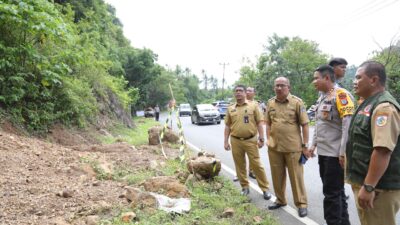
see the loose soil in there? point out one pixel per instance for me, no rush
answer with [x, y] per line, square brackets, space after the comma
[53, 181]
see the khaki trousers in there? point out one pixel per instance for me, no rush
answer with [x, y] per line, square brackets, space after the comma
[386, 206]
[239, 150]
[279, 161]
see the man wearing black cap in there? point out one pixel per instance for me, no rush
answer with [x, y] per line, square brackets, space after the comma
[339, 68]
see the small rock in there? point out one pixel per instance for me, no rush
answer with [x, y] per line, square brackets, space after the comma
[65, 193]
[153, 164]
[257, 219]
[92, 220]
[128, 217]
[132, 194]
[96, 183]
[228, 213]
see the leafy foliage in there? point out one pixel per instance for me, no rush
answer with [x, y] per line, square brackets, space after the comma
[390, 57]
[293, 58]
[55, 59]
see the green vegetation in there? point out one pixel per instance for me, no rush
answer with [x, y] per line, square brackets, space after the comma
[297, 58]
[209, 200]
[136, 137]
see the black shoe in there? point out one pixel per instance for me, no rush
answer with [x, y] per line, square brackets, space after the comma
[235, 179]
[302, 212]
[245, 192]
[252, 175]
[267, 195]
[275, 206]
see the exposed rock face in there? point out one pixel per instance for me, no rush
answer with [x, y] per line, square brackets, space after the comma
[205, 165]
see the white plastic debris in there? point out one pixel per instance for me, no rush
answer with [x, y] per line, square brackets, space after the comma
[177, 205]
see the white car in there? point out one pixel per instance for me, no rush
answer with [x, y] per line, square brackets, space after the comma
[205, 113]
[184, 109]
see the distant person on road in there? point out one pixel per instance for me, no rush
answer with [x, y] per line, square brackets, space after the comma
[373, 148]
[242, 123]
[157, 111]
[287, 138]
[333, 114]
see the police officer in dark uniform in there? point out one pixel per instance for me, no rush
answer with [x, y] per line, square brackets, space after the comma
[243, 121]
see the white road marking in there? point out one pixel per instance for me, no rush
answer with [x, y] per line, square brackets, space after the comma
[255, 187]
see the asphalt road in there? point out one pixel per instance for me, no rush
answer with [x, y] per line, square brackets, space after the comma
[210, 139]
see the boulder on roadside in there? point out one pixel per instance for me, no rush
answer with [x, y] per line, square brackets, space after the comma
[169, 186]
[154, 135]
[140, 199]
[145, 201]
[132, 194]
[207, 166]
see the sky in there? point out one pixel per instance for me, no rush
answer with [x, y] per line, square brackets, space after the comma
[205, 34]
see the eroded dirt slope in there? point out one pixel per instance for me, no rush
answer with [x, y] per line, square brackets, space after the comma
[48, 183]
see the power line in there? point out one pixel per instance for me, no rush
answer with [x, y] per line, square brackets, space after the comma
[370, 10]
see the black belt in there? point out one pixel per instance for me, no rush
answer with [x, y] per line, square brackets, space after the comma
[243, 139]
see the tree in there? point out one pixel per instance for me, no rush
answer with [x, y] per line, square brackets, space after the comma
[293, 58]
[390, 57]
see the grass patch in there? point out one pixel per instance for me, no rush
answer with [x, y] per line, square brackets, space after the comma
[209, 199]
[136, 136]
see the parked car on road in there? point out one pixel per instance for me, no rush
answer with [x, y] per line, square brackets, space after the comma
[205, 113]
[149, 112]
[184, 109]
[221, 106]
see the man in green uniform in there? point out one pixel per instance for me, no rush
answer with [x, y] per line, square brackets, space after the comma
[242, 123]
[373, 148]
[284, 117]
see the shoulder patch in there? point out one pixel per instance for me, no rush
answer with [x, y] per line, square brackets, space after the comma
[381, 120]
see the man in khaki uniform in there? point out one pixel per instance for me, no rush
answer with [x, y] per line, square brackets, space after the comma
[250, 93]
[242, 123]
[373, 148]
[284, 117]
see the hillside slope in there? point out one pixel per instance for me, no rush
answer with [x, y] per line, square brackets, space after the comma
[48, 183]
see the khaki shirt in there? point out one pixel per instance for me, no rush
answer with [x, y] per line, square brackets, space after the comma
[284, 120]
[243, 119]
[385, 126]
[259, 107]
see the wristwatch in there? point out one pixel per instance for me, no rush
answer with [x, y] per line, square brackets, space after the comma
[369, 188]
[304, 145]
[261, 139]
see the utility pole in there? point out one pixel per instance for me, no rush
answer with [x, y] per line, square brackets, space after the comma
[223, 74]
